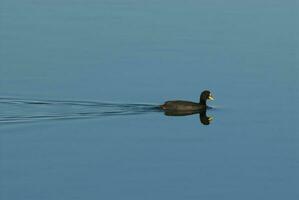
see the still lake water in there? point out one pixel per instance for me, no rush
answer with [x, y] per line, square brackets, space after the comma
[128, 52]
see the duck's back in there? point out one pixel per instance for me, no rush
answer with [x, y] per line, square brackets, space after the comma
[181, 105]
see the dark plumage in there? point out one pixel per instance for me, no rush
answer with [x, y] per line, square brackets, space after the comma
[179, 105]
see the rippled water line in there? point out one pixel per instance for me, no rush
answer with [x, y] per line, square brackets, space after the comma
[14, 110]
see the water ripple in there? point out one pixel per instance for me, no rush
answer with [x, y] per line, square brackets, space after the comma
[14, 110]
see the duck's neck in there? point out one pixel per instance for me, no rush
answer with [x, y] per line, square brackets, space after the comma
[203, 102]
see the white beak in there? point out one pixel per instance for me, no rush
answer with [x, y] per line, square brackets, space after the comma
[211, 97]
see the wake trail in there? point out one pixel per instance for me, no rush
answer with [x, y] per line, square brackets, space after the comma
[15, 110]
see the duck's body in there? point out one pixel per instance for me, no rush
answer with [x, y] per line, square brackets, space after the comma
[186, 106]
[179, 105]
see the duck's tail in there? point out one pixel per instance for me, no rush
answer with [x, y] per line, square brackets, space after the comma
[163, 107]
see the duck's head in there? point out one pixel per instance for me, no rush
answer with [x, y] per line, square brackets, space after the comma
[205, 95]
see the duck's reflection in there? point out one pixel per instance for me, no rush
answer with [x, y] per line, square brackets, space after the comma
[204, 119]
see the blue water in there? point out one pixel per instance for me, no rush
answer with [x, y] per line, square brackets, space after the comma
[78, 80]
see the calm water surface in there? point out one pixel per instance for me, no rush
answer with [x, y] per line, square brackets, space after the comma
[133, 55]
